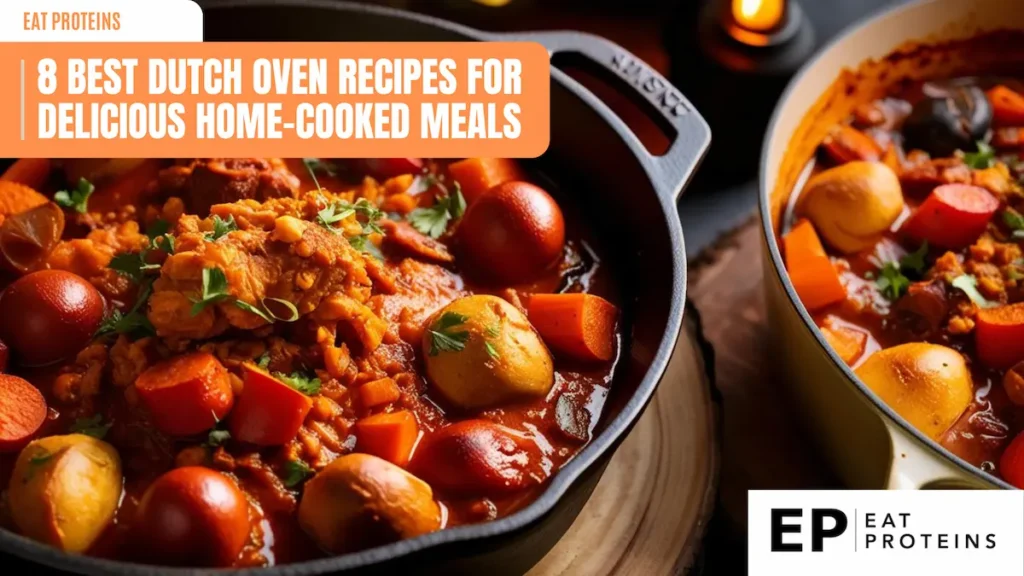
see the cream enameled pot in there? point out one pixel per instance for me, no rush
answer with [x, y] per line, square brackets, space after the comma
[868, 444]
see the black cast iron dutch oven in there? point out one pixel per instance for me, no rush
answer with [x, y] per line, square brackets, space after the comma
[626, 194]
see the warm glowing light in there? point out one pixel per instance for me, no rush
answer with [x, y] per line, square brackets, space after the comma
[493, 3]
[758, 15]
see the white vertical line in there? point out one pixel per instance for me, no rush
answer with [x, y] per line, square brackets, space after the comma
[22, 99]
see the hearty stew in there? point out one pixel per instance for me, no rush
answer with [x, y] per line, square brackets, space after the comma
[254, 361]
[905, 244]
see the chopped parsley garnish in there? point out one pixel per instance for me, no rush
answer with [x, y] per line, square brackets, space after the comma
[299, 381]
[77, 199]
[221, 228]
[492, 331]
[295, 473]
[433, 221]
[1014, 221]
[490, 350]
[92, 426]
[159, 237]
[891, 281]
[135, 323]
[444, 337]
[333, 213]
[969, 285]
[132, 265]
[983, 158]
[264, 360]
[215, 289]
[314, 165]
[914, 261]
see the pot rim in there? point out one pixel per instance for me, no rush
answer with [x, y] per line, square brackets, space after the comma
[779, 267]
[599, 447]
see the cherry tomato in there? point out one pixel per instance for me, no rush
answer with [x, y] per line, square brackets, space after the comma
[49, 315]
[478, 457]
[186, 394]
[1011, 464]
[391, 167]
[512, 233]
[192, 516]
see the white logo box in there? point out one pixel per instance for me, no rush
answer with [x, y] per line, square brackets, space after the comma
[905, 533]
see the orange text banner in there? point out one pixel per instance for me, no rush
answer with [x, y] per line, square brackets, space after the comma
[338, 100]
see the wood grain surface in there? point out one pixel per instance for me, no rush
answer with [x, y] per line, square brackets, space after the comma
[764, 446]
[650, 510]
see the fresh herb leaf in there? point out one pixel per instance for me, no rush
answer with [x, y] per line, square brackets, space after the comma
[132, 265]
[76, 199]
[135, 323]
[433, 221]
[969, 285]
[1013, 220]
[490, 350]
[983, 158]
[215, 289]
[92, 426]
[254, 310]
[892, 283]
[40, 459]
[334, 212]
[493, 331]
[295, 473]
[371, 213]
[914, 261]
[221, 228]
[1014, 274]
[314, 165]
[442, 336]
[217, 437]
[318, 165]
[299, 381]
[264, 360]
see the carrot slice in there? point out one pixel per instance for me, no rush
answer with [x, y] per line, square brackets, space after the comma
[22, 412]
[268, 412]
[478, 175]
[389, 436]
[1007, 106]
[32, 172]
[953, 216]
[848, 343]
[379, 392]
[999, 335]
[578, 325]
[847, 144]
[814, 278]
[187, 394]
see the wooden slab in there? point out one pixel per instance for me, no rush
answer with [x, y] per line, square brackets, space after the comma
[650, 510]
[764, 447]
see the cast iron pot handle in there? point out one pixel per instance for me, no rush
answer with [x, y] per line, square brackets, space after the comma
[669, 172]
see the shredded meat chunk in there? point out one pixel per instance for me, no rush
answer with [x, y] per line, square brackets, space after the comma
[203, 182]
[257, 264]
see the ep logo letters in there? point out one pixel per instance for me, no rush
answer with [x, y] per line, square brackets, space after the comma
[797, 533]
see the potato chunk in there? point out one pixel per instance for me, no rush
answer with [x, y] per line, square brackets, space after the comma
[65, 490]
[927, 384]
[360, 501]
[852, 205]
[481, 352]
